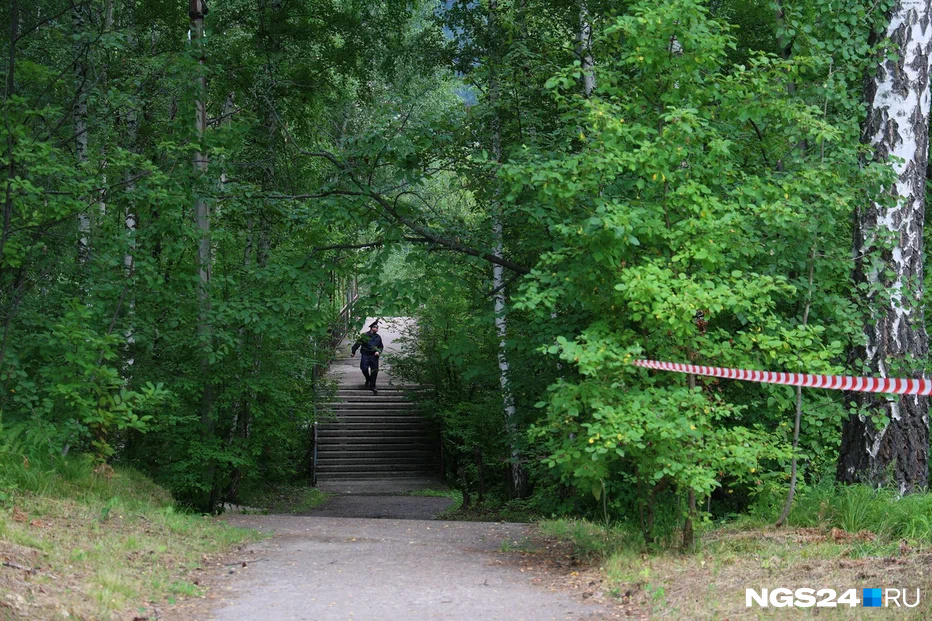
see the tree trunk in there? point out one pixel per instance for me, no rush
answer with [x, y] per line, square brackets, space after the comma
[585, 49]
[9, 89]
[197, 9]
[518, 475]
[888, 262]
[129, 257]
[79, 20]
[131, 121]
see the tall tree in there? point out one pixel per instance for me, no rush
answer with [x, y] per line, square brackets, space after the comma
[518, 475]
[197, 11]
[80, 21]
[888, 252]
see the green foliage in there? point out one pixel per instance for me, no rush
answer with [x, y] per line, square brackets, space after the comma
[110, 344]
[668, 214]
[858, 508]
[70, 396]
[694, 207]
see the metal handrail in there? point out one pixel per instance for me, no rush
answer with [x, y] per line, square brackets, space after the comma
[344, 320]
[338, 330]
[314, 456]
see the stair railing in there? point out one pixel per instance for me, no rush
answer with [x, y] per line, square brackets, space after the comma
[338, 330]
[314, 455]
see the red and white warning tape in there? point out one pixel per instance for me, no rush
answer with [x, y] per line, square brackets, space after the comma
[833, 382]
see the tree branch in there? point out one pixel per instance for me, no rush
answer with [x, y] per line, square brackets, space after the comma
[389, 208]
[375, 244]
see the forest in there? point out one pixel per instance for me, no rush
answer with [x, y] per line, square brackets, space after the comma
[193, 192]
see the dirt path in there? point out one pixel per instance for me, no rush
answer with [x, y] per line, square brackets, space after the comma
[325, 568]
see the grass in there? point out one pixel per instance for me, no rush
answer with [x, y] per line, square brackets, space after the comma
[284, 499]
[491, 511]
[838, 537]
[454, 494]
[97, 543]
[858, 508]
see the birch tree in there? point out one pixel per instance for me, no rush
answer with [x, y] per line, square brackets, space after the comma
[585, 49]
[889, 264]
[197, 10]
[80, 19]
[518, 476]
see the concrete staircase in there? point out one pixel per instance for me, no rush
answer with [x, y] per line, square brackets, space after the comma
[373, 438]
[376, 437]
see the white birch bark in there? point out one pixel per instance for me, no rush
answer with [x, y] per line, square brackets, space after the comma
[888, 253]
[585, 49]
[518, 476]
[129, 220]
[79, 20]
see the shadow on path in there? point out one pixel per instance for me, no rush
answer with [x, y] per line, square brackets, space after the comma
[383, 507]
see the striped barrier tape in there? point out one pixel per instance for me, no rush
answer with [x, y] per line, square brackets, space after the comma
[890, 385]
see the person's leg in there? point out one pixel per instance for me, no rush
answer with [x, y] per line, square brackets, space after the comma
[364, 367]
[374, 372]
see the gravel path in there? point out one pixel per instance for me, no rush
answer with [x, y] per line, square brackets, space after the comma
[330, 568]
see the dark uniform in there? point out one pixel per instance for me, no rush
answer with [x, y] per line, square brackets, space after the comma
[369, 362]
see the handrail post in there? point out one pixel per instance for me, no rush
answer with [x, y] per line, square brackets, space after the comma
[314, 455]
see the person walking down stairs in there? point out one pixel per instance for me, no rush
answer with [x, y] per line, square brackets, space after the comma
[371, 344]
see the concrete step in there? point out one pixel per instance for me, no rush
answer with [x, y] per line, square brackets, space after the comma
[401, 449]
[356, 460]
[351, 421]
[376, 436]
[380, 383]
[418, 457]
[390, 406]
[364, 415]
[405, 422]
[370, 398]
[394, 436]
[337, 443]
[355, 446]
[360, 392]
[376, 468]
[393, 422]
[395, 439]
[326, 477]
[354, 414]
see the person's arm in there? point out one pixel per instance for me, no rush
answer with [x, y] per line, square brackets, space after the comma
[379, 345]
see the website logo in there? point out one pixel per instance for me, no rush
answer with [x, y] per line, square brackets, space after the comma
[830, 598]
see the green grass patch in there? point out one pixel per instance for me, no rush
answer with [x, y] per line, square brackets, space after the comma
[856, 508]
[286, 499]
[99, 542]
[591, 540]
[838, 537]
[454, 494]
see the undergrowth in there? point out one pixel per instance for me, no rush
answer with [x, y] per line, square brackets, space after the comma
[858, 508]
[836, 537]
[494, 511]
[94, 541]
